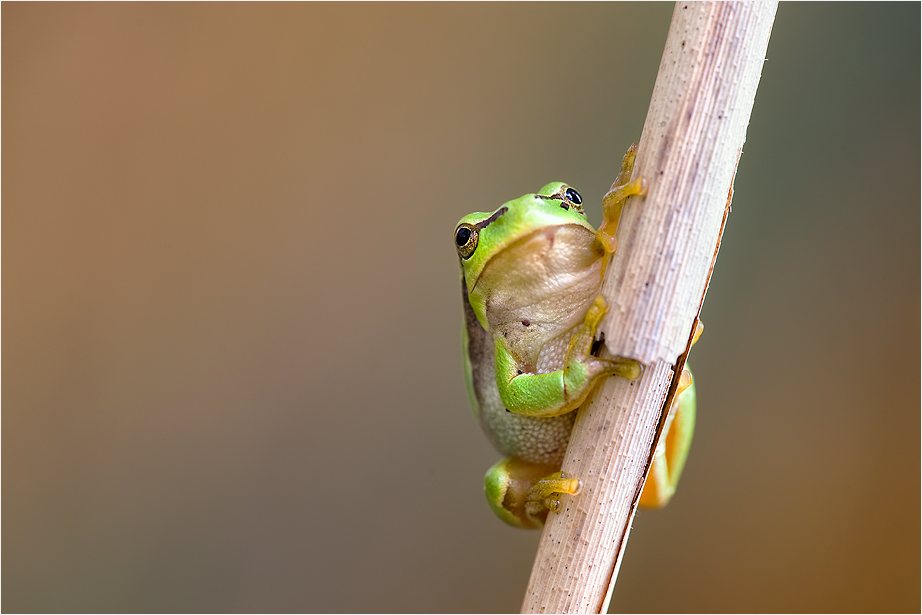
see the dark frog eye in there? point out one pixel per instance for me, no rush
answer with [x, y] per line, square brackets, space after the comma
[466, 237]
[573, 196]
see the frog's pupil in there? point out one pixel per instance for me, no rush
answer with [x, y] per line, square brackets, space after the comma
[464, 234]
[573, 195]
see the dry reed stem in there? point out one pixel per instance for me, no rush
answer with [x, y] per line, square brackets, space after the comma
[668, 240]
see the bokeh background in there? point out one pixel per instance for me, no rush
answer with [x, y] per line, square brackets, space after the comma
[231, 363]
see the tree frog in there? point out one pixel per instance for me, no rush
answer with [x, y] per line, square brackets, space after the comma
[531, 275]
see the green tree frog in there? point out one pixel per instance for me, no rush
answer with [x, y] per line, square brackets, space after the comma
[531, 275]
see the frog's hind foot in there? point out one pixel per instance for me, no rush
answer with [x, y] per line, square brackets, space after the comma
[522, 493]
[546, 492]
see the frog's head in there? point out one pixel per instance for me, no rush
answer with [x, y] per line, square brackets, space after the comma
[481, 236]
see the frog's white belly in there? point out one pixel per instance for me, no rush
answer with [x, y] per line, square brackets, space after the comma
[533, 439]
[537, 293]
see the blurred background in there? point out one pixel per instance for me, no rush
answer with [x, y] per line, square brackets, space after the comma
[231, 362]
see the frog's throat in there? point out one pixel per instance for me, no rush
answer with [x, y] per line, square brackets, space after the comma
[549, 231]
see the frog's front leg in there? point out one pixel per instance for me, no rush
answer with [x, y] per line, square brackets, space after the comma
[522, 493]
[613, 201]
[563, 390]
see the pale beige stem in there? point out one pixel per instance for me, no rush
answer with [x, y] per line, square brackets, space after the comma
[655, 285]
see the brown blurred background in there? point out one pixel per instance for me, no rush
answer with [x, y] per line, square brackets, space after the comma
[231, 363]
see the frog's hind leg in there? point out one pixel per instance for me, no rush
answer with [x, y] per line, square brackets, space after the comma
[672, 451]
[522, 493]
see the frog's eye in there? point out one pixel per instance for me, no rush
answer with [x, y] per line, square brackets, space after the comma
[466, 238]
[573, 196]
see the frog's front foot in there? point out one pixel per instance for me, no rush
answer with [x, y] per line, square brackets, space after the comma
[613, 201]
[522, 493]
[581, 366]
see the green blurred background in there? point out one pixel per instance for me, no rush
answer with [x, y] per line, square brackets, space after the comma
[232, 374]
